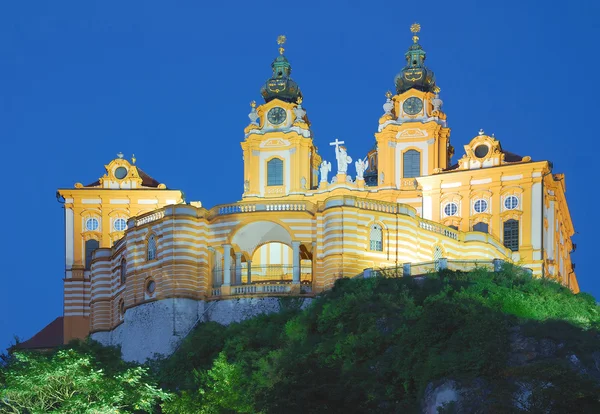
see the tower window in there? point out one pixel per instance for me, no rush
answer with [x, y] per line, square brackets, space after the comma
[376, 238]
[482, 227]
[151, 250]
[275, 172]
[90, 247]
[411, 161]
[511, 234]
[123, 270]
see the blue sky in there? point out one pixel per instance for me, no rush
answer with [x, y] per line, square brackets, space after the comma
[172, 81]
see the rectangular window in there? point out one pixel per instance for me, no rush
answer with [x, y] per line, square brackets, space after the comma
[275, 172]
[411, 163]
[511, 235]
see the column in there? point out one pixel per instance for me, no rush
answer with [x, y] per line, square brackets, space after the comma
[238, 268]
[227, 265]
[249, 271]
[296, 262]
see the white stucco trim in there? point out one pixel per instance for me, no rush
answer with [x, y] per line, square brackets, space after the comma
[69, 237]
[427, 208]
[536, 216]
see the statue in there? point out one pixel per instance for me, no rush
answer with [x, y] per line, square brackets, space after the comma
[342, 157]
[325, 169]
[361, 166]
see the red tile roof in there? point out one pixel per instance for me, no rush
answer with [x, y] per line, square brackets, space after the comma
[49, 337]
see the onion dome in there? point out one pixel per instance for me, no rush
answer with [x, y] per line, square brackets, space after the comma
[415, 74]
[280, 85]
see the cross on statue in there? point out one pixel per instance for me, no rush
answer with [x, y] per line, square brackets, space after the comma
[342, 157]
[336, 143]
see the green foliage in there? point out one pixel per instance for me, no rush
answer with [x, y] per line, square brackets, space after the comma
[367, 345]
[69, 382]
[373, 345]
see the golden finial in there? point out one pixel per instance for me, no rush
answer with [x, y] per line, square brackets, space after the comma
[253, 104]
[388, 94]
[280, 41]
[133, 158]
[299, 100]
[415, 28]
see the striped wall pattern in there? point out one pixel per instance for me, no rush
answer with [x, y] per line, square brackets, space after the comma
[190, 244]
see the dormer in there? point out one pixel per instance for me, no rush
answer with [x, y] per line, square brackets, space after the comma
[485, 151]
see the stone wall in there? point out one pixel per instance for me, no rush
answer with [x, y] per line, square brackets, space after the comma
[157, 328]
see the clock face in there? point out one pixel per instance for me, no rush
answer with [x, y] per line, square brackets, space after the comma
[276, 115]
[412, 105]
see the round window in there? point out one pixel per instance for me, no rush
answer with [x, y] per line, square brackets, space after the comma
[451, 209]
[121, 173]
[120, 224]
[150, 287]
[91, 224]
[481, 151]
[480, 206]
[511, 202]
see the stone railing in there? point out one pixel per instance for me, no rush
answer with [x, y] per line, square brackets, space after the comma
[377, 206]
[263, 289]
[424, 268]
[149, 218]
[251, 207]
[437, 228]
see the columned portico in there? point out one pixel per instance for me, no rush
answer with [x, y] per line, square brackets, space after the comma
[296, 262]
[238, 268]
[227, 265]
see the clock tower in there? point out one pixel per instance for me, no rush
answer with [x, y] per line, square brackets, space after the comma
[413, 138]
[280, 158]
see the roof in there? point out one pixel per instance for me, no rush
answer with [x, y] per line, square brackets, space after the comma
[49, 337]
[147, 181]
[509, 157]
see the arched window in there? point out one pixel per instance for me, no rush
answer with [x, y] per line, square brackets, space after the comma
[482, 227]
[90, 246]
[275, 172]
[412, 164]
[151, 249]
[376, 238]
[453, 227]
[511, 234]
[123, 270]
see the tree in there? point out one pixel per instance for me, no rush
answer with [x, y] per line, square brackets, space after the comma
[69, 382]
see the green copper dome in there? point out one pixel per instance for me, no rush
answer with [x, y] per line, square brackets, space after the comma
[415, 74]
[281, 85]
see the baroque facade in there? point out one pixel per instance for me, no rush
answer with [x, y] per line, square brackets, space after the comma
[137, 252]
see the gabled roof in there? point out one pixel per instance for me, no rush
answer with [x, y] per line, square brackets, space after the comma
[49, 337]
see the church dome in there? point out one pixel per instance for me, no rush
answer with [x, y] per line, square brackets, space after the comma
[415, 74]
[281, 85]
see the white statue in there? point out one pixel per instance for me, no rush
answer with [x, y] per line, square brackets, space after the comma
[325, 169]
[342, 157]
[361, 167]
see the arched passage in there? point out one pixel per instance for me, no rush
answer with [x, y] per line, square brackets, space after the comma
[265, 250]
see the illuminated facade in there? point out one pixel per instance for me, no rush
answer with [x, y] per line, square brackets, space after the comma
[304, 220]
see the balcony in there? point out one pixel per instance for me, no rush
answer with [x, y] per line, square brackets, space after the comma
[266, 280]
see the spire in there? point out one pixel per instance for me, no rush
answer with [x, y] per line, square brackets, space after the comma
[280, 85]
[415, 74]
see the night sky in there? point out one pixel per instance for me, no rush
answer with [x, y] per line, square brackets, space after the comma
[172, 82]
